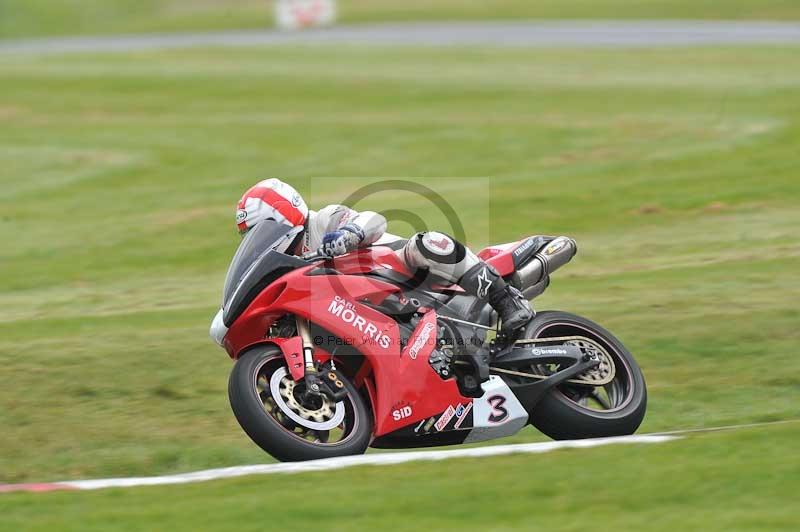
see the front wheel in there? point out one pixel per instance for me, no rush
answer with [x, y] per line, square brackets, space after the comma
[276, 413]
[576, 411]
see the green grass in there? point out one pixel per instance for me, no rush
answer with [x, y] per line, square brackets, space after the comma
[22, 18]
[736, 481]
[677, 172]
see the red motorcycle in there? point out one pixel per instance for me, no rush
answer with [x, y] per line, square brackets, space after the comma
[334, 356]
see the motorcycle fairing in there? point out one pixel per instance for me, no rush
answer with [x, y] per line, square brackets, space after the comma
[292, 350]
[423, 340]
[496, 414]
[500, 257]
[371, 259]
[258, 261]
[270, 266]
[317, 298]
[412, 378]
[506, 258]
[310, 297]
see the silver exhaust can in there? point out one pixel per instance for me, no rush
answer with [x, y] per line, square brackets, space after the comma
[533, 277]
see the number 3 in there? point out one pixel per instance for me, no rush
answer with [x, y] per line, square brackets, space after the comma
[499, 413]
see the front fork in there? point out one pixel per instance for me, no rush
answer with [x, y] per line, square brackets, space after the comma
[304, 330]
[328, 383]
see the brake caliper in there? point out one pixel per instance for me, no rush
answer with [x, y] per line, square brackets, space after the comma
[328, 382]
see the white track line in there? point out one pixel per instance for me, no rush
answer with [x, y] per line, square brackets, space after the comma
[728, 427]
[368, 459]
[334, 463]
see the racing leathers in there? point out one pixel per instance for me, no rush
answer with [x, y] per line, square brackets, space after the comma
[337, 229]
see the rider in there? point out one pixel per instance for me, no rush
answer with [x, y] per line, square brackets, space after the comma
[338, 229]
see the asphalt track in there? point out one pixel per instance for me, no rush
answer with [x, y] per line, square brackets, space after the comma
[612, 34]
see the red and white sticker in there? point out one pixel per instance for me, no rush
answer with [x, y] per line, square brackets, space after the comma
[422, 339]
[445, 419]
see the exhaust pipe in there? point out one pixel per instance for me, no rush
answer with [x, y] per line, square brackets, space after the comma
[534, 276]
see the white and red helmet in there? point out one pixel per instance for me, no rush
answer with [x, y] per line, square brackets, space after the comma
[271, 199]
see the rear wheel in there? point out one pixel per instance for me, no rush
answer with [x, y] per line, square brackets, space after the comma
[275, 412]
[576, 411]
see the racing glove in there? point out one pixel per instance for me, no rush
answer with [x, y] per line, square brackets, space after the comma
[343, 240]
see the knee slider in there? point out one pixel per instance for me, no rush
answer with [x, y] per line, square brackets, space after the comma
[439, 247]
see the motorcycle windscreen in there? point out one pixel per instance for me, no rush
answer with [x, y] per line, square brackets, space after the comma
[264, 237]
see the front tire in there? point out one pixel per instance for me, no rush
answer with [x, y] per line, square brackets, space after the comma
[272, 410]
[565, 412]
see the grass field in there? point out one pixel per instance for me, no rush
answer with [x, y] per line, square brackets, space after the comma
[22, 18]
[677, 172]
[743, 481]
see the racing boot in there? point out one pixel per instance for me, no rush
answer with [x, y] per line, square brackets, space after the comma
[483, 281]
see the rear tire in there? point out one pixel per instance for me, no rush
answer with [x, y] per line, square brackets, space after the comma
[562, 418]
[278, 436]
